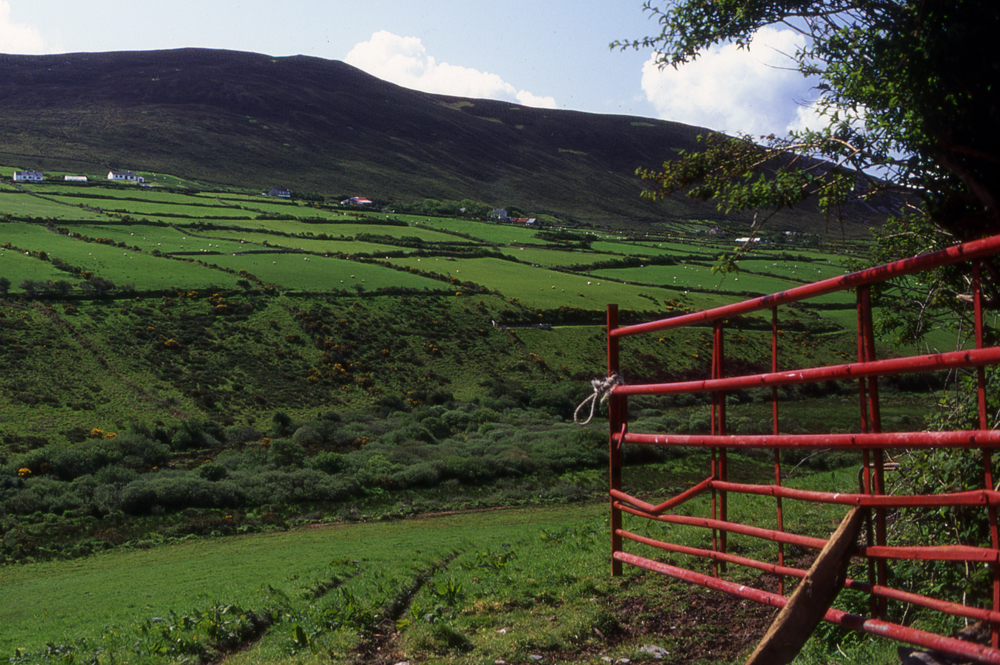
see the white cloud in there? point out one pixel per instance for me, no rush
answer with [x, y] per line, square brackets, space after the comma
[528, 99]
[808, 116]
[753, 90]
[18, 38]
[404, 61]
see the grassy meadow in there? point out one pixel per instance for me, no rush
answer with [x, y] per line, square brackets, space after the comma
[519, 585]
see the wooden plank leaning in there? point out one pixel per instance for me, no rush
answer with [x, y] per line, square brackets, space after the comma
[812, 598]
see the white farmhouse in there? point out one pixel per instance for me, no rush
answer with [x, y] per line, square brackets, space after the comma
[125, 176]
[28, 176]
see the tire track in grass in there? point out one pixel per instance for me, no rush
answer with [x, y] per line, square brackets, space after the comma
[374, 648]
[261, 628]
[252, 631]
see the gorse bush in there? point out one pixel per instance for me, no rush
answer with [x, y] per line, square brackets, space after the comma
[65, 463]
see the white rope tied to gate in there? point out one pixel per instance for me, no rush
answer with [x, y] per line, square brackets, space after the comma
[602, 389]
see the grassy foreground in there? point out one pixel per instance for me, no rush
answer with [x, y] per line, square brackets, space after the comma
[519, 585]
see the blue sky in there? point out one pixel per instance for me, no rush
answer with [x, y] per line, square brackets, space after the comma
[550, 54]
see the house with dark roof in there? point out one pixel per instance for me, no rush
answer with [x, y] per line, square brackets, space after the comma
[125, 176]
[356, 201]
[28, 176]
[280, 191]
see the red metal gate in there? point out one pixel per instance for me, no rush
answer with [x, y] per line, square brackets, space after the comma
[870, 442]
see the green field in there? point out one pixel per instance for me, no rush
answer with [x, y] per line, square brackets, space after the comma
[237, 232]
[64, 602]
[460, 589]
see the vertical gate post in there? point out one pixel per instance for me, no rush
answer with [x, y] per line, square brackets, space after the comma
[616, 417]
[866, 477]
[977, 299]
[866, 338]
[719, 428]
[777, 451]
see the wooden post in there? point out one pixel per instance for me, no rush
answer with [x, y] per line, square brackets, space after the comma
[616, 417]
[812, 598]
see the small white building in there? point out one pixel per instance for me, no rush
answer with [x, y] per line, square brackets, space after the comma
[28, 176]
[75, 178]
[357, 201]
[125, 176]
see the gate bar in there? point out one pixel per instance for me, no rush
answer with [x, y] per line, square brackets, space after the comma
[948, 256]
[899, 633]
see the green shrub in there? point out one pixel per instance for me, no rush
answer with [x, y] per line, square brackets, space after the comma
[455, 419]
[138, 498]
[329, 462]
[282, 424]
[192, 435]
[307, 436]
[437, 427]
[116, 475]
[424, 474]
[212, 472]
[409, 434]
[137, 450]
[241, 434]
[286, 452]
[293, 486]
[176, 491]
[483, 415]
[89, 457]
[43, 495]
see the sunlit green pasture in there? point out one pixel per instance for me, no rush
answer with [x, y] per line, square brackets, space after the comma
[120, 265]
[24, 205]
[681, 276]
[625, 246]
[148, 208]
[16, 266]
[148, 272]
[654, 248]
[317, 273]
[702, 278]
[539, 287]
[166, 180]
[65, 600]
[230, 196]
[334, 244]
[299, 211]
[661, 249]
[151, 238]
[34, 237]
[280, 207]
[90, 195]
[806, 271]
[335, 230]
[489, 232]
[555, 256]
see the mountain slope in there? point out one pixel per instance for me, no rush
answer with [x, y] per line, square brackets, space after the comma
[323, 126]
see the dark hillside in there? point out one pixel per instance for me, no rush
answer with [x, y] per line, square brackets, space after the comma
[323, 126]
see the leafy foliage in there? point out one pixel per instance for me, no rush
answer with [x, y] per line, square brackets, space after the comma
[902, 98]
